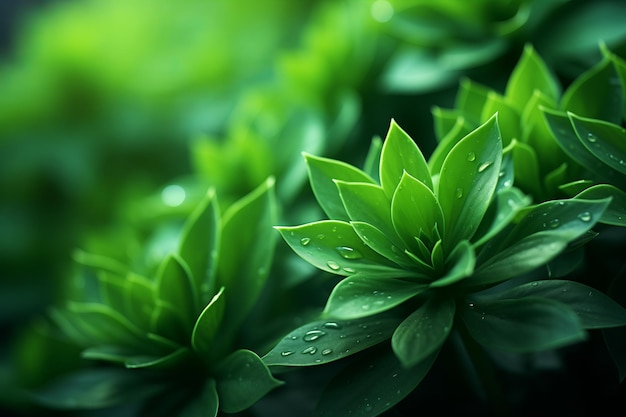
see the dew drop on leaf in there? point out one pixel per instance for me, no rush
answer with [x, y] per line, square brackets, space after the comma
[305, 241]
[313, 335]
[331, 325]
[286, 353]
[459, 193]
[348, 253]
[333, 265]
[591, 137]
[585, 216]
[327, 352]
[471, 156]
[309, 350]
[554, 223]
[483, 167]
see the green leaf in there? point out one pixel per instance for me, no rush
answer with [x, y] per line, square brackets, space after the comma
[166, 322]
[372, 159]
[415, 211]
[333, 246]
[468, 179]
[204, 404]
[423, 332]
[471, 99]
[242, 380]
[113, 290]
[371, 385]
[324, 341]
[596, 94]
[368, 203]
[382, 244]
[199, 245]
[174, 286]
[207, 325]
[522, 325]
[459, 265]
[503, 209]
[99, 262]
[400, 154]
[509, 118]
[526, 167]
[248, 245]
[140, 299]
[595, 310]
[95, 388]
[444, 120]
[529, 75]
[606, 141]
[365, 295]
[460, 129]
[615, 214]
[166, 362]
[322, 173]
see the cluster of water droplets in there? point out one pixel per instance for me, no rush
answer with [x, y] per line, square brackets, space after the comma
[346, 252]
[313, 336]
[593, 139]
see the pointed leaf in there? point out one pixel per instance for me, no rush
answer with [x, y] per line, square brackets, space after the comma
[400, 154]
[526, 168]
[372, 160]
[471, 99]
[522, 325]
[167, 362]
[333, 246]
[199, 244]
[468, 179]
[366, 295]
[371, 385]
[204, 404]
[501, 212]
[606, 141]
[382, 244]
[367, 203]
[175, 286]
[207, 325]
[459, 265]
[322, 172]
[615, 214]
[324, 341]
[509, 118]
[248, 244]
[460, 129]
[242, 380]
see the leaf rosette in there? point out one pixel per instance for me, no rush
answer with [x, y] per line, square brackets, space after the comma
[425, 248]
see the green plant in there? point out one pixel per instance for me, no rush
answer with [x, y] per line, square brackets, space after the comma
[170, 336]
[429, 251]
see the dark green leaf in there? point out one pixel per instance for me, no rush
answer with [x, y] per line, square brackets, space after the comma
[322, 173]
[207, 325]
[324, 341]
[333, 246]
[594, 309]
[242, 380]
[166, 322]
[175, 287]
[140, 299]
[468, 179]
[168, 362]
[615, 213]
[503, 209]
[522, 325]
[199, 245]
[444, 120]
[370, 385]
[526, 167]
[248, 244]
[459, 265]
[423, 333]
[400, 154]
[204, 404]
[606, 141]
[365, 295]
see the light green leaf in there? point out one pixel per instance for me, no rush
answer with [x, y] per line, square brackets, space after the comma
[174, 286]
[199, 245]
[372, 159]
[503, 209]
[459, 265]
[526, 167]
[365, 295]
[509, 117]
[460, 129]
[468, 179]
[444, 120]
[324, 341]
[381, 243]
[113, 290]
[322, 173]
[99, 262]
[368, 203]
[371, 385]
[595, 310]
[423, 332]
[242, 380]
[400, 154]
[140, 299]
[606, 141]
[529, 75]
[207, 325]
[596, 94]
[415, 211]
[333, 246]
[615, 214]
[522, 325]
[471, 99]
[248, 245]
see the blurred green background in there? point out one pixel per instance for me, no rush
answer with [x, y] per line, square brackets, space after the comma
[116, 115]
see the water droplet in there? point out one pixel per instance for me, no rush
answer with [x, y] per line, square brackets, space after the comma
[482, 167]
[331, 325]
[313, 335]
[534, 284]
[173, 195]
[350, 270]
[471, 156]
[305, 241]
[471, 305]
[365, 306]
[459, 193]
[554, 223]
[310, 350]
[321, 236]
[348, 252]
[333, 265]
[585, 216]
[507, 183]
[287, 353]
[591, 137]
[327, 352]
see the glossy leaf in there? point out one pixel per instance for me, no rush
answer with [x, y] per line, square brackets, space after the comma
[459, 265]
[606, 141]
[367, 203]
[175, 286]
[415, 210]
[529, 75]
[371, 385]
[364, 295]
[423, 332]
[382, 243]
[372, 159]
[324, 341]
[595, 310]
[468, 179]
[615, 214]
[596, 94]
[503, 209]
[471, 99]
[400, 154]
[322, 173]
[207, 325]
[242, 380]
[333, 246]
[460, 129]
[166, 362]
[248, 245]
[522, 325]
[204, 404]
[508, 117]
[526, 167]
[199, 245]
